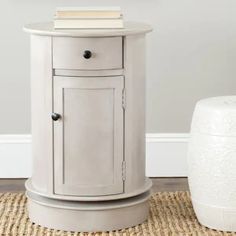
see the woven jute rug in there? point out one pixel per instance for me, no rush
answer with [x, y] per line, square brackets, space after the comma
[170, 214]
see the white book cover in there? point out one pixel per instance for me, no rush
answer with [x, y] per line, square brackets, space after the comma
[88, 24]
[88, 9]
[88, 19]
[88, 12]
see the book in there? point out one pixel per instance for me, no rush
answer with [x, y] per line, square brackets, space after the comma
[88, 23]
[88, 12]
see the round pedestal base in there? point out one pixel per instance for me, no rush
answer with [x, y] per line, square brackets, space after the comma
[215, 217]
[88, 216]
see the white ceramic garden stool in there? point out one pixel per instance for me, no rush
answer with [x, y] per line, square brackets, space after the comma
[212, 162]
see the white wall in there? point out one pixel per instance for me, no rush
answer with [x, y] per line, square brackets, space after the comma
[191, 55]
[161, 150]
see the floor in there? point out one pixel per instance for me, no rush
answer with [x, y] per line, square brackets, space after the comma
[159, 185]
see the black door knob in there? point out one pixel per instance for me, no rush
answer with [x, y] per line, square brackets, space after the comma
[55, 116]
[87, 54]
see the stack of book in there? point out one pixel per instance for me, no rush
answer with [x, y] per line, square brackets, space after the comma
[88, 18]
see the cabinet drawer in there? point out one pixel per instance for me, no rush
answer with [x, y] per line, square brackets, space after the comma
[87, 53]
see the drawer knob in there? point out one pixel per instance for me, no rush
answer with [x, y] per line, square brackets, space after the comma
[55, 116]
[87, 54]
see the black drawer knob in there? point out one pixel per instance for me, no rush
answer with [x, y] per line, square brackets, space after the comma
[87, 54]
[55, 116]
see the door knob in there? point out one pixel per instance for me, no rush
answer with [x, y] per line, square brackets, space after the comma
[55, 116]
[87, 54]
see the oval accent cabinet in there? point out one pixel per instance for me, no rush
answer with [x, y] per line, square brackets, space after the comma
[88, 128]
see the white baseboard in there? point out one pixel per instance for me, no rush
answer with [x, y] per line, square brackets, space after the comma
[165, 154]
[15, 156]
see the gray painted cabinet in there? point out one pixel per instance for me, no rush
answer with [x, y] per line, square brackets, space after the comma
[88, 128]
[88, 138]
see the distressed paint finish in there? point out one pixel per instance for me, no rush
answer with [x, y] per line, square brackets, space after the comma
[95, 152]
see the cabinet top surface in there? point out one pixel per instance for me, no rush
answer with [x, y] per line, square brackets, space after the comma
[47, 28]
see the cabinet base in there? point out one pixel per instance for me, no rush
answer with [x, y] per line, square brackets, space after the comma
[88, 216]
[138, 191]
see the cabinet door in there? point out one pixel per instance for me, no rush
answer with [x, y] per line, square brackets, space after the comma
[88, 138]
